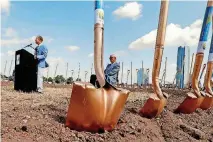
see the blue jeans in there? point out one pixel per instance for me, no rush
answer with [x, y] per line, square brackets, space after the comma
[40, 79]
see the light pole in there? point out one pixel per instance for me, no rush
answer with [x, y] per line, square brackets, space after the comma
[85, 76]
[10, 67]
[147, 79]
[164, 80]
[128, 71]
[131, 74]
[91, 69]
[72, 72]
[137, 76]
[142, 70]
[67, 70]
[5, 68]
[122, 72]
[79, 69]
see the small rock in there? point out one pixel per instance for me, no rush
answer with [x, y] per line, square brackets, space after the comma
[132, 132]
[15, 108]
[24, 128]
[28, 117]
[86, 137]
[80, 136]
[122, 134]
[10, 115]
[17, 129]
[25, 120]
[139, 130]
[121, 121]
[63, 130]
[100, 139]
[39, 138]
[133, 127]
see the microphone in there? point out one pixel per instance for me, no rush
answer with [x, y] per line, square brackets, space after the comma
[28, 45]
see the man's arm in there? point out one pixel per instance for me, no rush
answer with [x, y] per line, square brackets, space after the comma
[106, 69]
[114, 70]
[44, 53]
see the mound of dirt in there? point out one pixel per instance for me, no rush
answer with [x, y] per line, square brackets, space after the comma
[39, 118]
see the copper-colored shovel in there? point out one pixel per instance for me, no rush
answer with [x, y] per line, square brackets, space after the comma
[195, 98]
[156, 102]
[93, 109]
[208, 98]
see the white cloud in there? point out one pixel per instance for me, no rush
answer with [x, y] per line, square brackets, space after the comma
[19, 42]
[49, 40]
[175, 36]
[91, 55]
[10, 32]
[10, 53]
[2, 54]
[120, 53]
[14, 42]
[33, 38]
[55, 60]
[174, 65]
[5, 6]
[130, 10]
[106, 6]
[171, 71]
[13, 39]
[72, 48]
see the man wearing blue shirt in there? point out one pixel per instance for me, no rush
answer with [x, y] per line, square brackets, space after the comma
[111, 73]
[40, 54]
[112, 70]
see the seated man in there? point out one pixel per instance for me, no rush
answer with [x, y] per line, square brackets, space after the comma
[111, 73]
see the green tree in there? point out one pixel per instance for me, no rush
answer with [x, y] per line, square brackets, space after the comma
[50, 79]
[69, 80]
[45, 79]
[59, 79]
[78, 79]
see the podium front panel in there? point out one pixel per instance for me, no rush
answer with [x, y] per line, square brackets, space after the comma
[25, 71]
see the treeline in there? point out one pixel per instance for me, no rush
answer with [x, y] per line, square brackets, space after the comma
[58, 79]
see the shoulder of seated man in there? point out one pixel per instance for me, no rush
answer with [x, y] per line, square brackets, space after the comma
[117, 64]
[43, 46]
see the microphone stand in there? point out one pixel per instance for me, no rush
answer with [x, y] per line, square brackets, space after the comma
[30, 46]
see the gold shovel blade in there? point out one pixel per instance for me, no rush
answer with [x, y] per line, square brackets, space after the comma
[92, 109]
[153, 106]
[207, 102]
[190, 104]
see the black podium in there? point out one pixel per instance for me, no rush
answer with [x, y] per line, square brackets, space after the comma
[25, 71]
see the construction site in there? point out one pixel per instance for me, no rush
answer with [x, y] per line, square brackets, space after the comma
[148, 109]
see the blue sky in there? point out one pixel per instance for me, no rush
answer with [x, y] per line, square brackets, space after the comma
[67, 28]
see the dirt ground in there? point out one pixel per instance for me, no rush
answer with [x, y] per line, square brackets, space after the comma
[40, 118]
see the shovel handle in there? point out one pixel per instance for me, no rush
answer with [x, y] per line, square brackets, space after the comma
[160, 39]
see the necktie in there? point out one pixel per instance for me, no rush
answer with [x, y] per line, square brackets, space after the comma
[35, 54]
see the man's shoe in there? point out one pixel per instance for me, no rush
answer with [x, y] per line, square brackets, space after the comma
[39, 91]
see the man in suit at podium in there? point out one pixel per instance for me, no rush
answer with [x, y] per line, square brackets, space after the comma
[40, 54]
